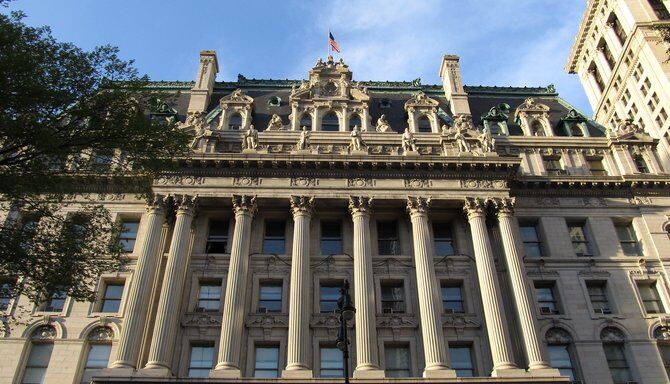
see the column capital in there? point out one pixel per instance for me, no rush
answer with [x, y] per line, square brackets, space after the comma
[504, 205]
[475, 207]
[244, 205]
[302, 205]
[156, 203]
[418, 205]
[360, 205]
[186, 204]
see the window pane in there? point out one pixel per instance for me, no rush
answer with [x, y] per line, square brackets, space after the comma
[559, 357]
[129, 235]
[5, 295]
[217, 239]
[275, 232]
[267, 362]
[393, 298]
[202, 360]
[329, 296]
[209, 297]
[452, 298]
[112, 299]
[37, 364]
[270, 298]
[332, 363]
[529, 233]
[444, 244]
[331, 238]
[461, 361]
[397, 361]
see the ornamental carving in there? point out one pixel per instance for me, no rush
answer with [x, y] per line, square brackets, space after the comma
[360, 204]
[483, 184]
[186, 203]
[459, 321]
[181, 180]
[201, 320]
[474, 206]
[325, 320]
[111, 196]
[558, 336]
[44, 332]
[101, 334]
[418, 205]
[612, 335]
[640, 200]
[396, 321]
[418, 183]
[245, 181]
[662, 333]
[304, 182]
[504, 205]
[244, 204]
[360, 182]
[267, 321]
[302, 204]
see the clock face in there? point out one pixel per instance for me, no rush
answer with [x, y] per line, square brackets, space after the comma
[330, 88]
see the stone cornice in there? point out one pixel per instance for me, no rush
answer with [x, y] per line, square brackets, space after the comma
[584, 27]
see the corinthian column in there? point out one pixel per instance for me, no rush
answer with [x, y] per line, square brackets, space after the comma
[232, 321]
[503, 363]
[167, 316]
[140, 287]
[298, 346]
[367, 355]
[430, 309]
[536, 362]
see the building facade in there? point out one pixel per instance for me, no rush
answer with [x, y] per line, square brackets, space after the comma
[486, 232]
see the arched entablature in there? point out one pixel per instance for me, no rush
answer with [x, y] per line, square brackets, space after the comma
[611, 331]
[533, 118]
[558, 324]
[236, 111]
[419, 107]
[44, 330]
[101, 330]
[659, 331]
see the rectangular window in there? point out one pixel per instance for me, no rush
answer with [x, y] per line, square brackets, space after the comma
[531, 241]
[444, 242]
[664, 351]
[270, 297]
[617, 363]
[596, 166]
[217, 239]
[653, 102]
[552, 165]
[628, 239]
[275, 237]
[209, 297]
[546, 298]
[387, 234]
[38, 361]
[598, 296]
[640, 164]
[202, 360]
[328, 295]
[97, 360]
[393, 297]
[111, 301]
[650, 298]
[56, 301]
[461, 360]
[6, 296]
[331, 238]
[580, 243]
[332, 362]
[267, 362]
[452, 297]
[397, 361]
[129, 235]
[561, 359]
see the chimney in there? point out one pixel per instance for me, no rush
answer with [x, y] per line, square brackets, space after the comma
[453, 85]
[204, 82]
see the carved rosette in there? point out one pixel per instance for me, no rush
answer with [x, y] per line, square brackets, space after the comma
[504, 206]
[662, 333]
[101, 334]
[475, 207]
[418, 205]
[360, 205]
[612, 335]
[44, 332]
[558, 336]
[244, 205]
[302, 205]
[185, 204]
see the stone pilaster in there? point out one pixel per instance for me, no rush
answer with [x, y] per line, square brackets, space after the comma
[299, 345]
[167, 315]
[503, 363]
[428, 291]
[232, 321]
[367, 355]
[139, 290]
[537, 364]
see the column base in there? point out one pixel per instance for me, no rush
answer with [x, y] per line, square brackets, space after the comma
[369, 373]
[297, 374]
[509, 372]
[231, 373]
[444, 373]
[544, 372]
[117, 372]
[154, 371]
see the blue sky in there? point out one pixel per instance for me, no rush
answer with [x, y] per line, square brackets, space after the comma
[500, 42]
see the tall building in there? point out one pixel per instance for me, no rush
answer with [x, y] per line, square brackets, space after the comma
[486, 232]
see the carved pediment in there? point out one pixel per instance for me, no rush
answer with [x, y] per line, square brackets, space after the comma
[237, 97]
[531, 106]
[627, 130]
[421, 100]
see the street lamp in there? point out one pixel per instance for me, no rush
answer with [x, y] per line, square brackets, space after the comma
[346, 311]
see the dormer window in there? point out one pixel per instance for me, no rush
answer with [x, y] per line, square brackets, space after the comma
[274, 101]
[575, 130]
[424, 124]
[306, 121]
[537, 129]
[235, 122]
[385, 103]
[354, 121]
[640, 164]
[330, 122]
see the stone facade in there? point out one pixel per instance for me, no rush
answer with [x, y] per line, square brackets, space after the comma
[487, 232]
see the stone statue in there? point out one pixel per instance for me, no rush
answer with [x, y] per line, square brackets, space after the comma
[408, 141]
[383, 125]
[275, 123]
[303, 141]
[357, 143]
[250, 138]
[445, 129]
[486, 140]
[463, 145]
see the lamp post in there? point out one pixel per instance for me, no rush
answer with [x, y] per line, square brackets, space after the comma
[347, 311]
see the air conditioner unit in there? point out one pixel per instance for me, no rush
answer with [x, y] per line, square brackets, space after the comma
[547, 311]
[387, 310]
[449, 311]
[603, 311]
[262, 310]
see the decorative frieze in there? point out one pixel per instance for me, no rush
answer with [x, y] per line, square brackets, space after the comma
[418, 183]
[181, 180]
[361, 182]
[304, 182]
[483, 184]
[246, 181]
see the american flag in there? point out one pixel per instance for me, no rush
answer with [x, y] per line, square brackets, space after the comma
[333, 43]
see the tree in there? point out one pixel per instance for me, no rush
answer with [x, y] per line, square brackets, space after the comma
[71, 122]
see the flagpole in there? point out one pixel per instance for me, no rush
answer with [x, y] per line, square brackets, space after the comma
[328, 43]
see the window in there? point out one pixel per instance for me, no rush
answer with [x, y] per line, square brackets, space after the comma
[274, 101]
[618, 29]
[662, 117]
[536, 129]
[209, 297]
[596, 166]
[628, 240]
[55, 301]
[306, 121]
[575, 129]
[561, 359]
[330, 123]
[270, 297]
[97, 360]
[461, 361]
[217, 239]
[662, 336]
[653, 102]
[332, 362]
[6, 296]
[598, 297]
[640, 164]
[444, 242]
[452, 297]
[546, 298]
[202, 360]
[235, 122]
[267, 362]
[531, 241]
[38, 361]
[580, 244]
[111, 301]
[552, 165]
[597, 77]
[424, 124]
[385, 103]
[387, 234]
[659, 9]
[331, 238]
[102, 159]
[329, 293]
[625, 97]
[617, 363]
[393, 297]
[397, 361]
[354, 121]
[275, 237]
[129, 235]
[650, 298]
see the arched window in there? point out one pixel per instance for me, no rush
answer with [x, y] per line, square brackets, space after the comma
[536, 128]
[306, 121]
[330, 122]
[662, 336]
[495, 128]
[614, 345]
[354, 121]
[99, 347]
[640, 164]
[41, 346]
[559, 344]
[575, 130]
[424, 124]
[235, 121]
